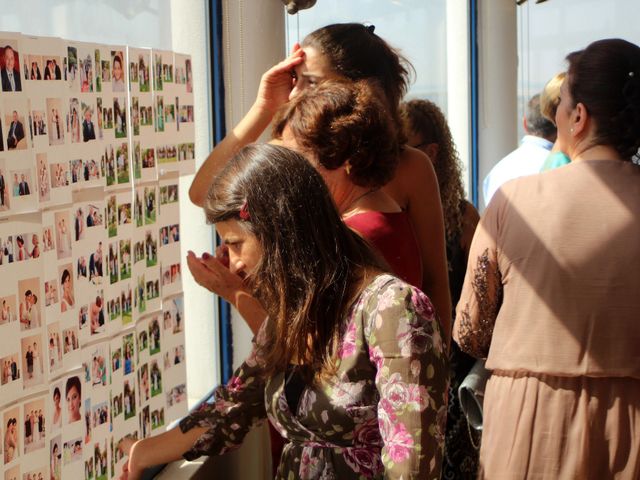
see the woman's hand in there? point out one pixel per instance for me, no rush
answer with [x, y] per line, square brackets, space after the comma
[277, 82]
[213, 274]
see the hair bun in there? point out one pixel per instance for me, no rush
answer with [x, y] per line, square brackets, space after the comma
[371, 28]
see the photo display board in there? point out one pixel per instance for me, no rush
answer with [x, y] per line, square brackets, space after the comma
[93, 139]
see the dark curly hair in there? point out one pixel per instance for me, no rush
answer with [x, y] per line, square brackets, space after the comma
[425, 119]
[605, 77]
[341, 121]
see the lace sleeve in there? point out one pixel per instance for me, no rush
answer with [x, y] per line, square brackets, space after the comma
[481, 295]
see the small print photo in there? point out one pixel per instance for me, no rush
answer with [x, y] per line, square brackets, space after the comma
[10, 66]
[11, 424]
[71, 340]
[63, 234]
[21, 182]
[55, 121]
[50, 292]
[96, 314]
[154, 336]
[34, 425]
[120, 117]
[156, 379]
[122, 163]
[47, 238]
[129, 397]
[44, 188]
[143, 72]
[52, 69]
[157, 418]
[8, 309]
[143, 381]
[100, 460]
[72, 451]
[33, 67]
[55, 455]
[67, 299]
[55, 346]
[168, 194]
[39, 123]
[73, 399]
[176, 395]
[108, 160]
[117, 71]
[73, 120]
[59, 175]
[32, 361]
[30, 302]
[10, 368]
[128, 349]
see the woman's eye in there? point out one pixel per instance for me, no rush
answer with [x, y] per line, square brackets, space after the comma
[294, 76]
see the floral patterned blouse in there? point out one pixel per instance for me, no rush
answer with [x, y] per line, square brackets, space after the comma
[381, 416]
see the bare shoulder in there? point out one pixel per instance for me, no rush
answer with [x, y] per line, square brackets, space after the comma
[414, 170]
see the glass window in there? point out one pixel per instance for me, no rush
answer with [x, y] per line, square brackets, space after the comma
[416, 28]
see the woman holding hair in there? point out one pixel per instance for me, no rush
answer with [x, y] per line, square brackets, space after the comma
[334, 314]
[427, 130]
[349, 52]
[551, 292]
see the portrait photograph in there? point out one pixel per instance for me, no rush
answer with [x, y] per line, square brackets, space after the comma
[148, 158]
[50, 292]
[156, 378]
[143, 72]
[10, 66]
[157, 72]
[120, 117]
[88, 123]
[128, 350]
[63, 234]
[96, 56]
[15, 121]
[100, 460]
[34, 425]
[11, 368]
[159, 113]
[39, 123]
[97, 315]
[8, 309]
[157, 418]
[151, 249]
[31, 348]
[53, 67]
[117, 71]
[47, 238]
[112, 262]
[55, 456]
[56, 121]
[144, 418]
[143, 382]
[105, 71]
[67, 292]
[59, 174]
[44, 183]
[71, 340]
[12, 430]
[34, 67]
[129, 398]
[21, 182]
[29, 311]
[108, 158]
[74, 119]
[122, 160]
[54, 346]
[73, 400]
[85, 68]
[125, 259]
[176, 395]
[154, 336]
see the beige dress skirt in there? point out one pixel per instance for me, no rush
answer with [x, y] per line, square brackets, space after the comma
[551, 427]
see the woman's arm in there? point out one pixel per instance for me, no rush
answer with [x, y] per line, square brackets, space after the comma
[275, 86]
[406, 345]
[214, 428]
[415, 188]
[481, 295]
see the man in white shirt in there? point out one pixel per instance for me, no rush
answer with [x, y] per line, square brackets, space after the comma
[528, 158]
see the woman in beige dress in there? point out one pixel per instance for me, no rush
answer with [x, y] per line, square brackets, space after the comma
[551, 291]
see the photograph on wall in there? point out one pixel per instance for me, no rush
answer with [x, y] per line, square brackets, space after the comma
[32, 361]
[12, 429]
[16, 121]
[34, 425]
[10, 65]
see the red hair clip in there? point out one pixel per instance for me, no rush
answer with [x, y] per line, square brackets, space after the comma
[244, 212]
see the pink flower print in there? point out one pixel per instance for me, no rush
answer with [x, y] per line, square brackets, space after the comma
[403, 395]
[388, 298]
[367, 433]
[413, 339]
[397, 440]
[223, 406]
[423, 305]
[310, 465]
[375, 355]
[348, 347]
[365, 461]
[235, 385]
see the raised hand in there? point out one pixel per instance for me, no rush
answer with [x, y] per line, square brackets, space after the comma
[277, 82]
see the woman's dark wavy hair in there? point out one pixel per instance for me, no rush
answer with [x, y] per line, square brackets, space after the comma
[605, 77]
[341, 121]
[311, 264]
[424, 118]
[356, 52]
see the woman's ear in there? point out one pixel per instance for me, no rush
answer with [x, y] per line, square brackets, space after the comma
[579, 119]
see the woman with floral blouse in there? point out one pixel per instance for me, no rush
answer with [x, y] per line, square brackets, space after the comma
[350, 365]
